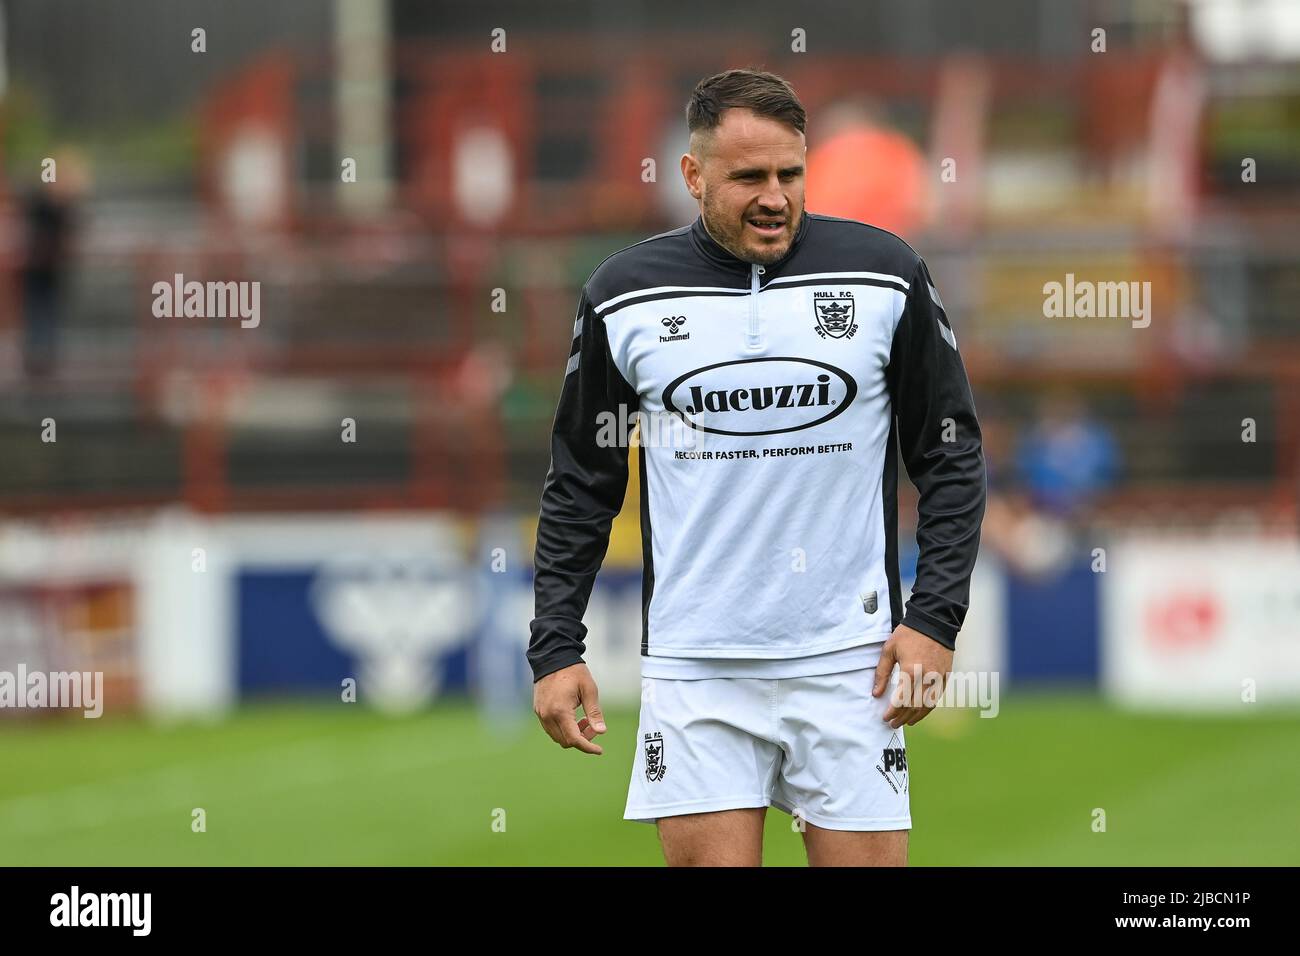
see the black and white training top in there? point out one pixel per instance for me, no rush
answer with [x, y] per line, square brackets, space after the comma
[771, 400]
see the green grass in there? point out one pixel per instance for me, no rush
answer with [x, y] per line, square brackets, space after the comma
[319, 784]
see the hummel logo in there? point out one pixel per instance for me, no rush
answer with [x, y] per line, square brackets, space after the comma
[673, 323]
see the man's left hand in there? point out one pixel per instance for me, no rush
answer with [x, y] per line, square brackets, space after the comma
[924, 667]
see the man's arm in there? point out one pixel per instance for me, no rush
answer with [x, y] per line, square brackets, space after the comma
[939, 438]
[583, 492]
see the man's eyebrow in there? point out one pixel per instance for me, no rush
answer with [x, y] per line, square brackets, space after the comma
[755, 171]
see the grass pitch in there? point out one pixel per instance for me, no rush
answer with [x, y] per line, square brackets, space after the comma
[306, 783]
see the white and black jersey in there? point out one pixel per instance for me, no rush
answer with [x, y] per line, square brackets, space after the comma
[773, 399]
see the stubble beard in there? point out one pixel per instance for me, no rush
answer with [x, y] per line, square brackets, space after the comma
[731, 237]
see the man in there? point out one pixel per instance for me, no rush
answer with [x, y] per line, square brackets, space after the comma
[50, 214]
[791, 354]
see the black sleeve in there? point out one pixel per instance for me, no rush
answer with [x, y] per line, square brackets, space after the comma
[583, 492]
[939, 438]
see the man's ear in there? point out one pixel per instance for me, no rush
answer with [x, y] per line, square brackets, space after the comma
[691, 167]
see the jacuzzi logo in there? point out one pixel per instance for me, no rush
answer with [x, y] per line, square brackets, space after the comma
[762, 396]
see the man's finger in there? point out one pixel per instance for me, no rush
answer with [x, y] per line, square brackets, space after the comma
[898, 710]
[906, 716]
[901, 695]
[573, 737]
[884, 668]
[589, 697]
[922, 713]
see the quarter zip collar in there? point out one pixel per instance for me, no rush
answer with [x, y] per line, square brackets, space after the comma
[711, 250]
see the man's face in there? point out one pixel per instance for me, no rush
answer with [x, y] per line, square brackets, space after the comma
[751, 173]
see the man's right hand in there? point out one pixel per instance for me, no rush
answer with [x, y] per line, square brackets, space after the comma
[555, 698]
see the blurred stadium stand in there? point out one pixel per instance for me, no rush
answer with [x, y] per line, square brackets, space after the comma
[383, 313]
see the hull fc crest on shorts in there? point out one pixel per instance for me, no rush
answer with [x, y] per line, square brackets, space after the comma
[655, 768]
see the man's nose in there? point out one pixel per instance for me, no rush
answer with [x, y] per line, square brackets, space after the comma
[772, 198]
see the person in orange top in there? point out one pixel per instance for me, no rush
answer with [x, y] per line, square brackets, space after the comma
[864, 170]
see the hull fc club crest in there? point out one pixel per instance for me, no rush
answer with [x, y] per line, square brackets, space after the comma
[834, 314]
[655, 768]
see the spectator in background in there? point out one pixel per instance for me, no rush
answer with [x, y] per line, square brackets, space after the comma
[860, 168]
[1067, 458]
[49, 218]
[1025, 539]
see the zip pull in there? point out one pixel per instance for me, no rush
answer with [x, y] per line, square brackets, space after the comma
[755, 270]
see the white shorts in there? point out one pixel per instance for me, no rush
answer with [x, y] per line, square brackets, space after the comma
[813, 746]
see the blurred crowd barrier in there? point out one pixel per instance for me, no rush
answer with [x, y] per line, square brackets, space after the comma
[189, 615]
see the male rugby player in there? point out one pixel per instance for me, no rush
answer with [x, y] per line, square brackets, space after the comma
[793, 357]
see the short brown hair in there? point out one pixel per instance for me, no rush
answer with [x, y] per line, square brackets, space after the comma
[764, 93]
